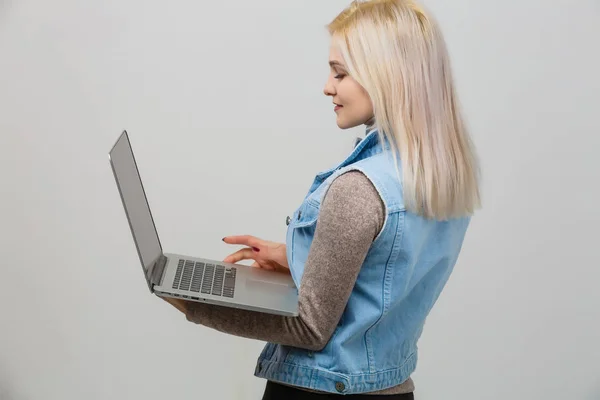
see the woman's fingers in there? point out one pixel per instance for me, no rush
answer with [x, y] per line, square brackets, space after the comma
[243, 254]
[246, 254]
[249, 253]
[245, 240]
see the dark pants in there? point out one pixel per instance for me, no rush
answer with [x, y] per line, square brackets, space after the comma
[275, 391]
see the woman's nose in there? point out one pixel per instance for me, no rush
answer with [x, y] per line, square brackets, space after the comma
[328, 89]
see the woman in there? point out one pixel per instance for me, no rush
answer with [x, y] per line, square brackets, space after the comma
[376, 238]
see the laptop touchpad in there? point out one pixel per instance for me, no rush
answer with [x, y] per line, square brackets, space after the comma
[267, 287]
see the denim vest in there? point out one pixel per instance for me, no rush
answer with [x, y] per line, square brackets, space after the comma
[374, 345]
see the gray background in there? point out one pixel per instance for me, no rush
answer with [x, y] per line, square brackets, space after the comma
[229, 124]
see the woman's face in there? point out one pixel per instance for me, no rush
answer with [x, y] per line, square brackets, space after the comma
[352, 104]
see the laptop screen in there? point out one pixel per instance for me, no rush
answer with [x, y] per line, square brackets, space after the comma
[135, 202]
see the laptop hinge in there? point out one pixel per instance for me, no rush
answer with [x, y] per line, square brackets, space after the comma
[157, 270]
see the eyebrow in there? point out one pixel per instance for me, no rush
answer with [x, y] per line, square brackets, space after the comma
[336, 64]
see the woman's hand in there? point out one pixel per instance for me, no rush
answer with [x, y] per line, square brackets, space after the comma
[267, 255]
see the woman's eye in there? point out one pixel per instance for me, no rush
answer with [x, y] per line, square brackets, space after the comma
[339, 76]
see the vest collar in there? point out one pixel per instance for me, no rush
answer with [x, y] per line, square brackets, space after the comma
[369, 146]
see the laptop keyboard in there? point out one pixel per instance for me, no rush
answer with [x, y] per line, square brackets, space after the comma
[214, 279]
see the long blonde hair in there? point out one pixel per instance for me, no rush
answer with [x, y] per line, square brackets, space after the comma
[396, 51]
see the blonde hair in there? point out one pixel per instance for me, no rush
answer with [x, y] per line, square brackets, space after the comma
[397, 53]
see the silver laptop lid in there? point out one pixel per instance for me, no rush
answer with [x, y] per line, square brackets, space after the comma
[135, 203]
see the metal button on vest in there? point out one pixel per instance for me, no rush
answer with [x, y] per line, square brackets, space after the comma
[288, 220]
[340, 387]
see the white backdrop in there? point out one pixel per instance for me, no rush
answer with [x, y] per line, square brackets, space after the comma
[229, 124]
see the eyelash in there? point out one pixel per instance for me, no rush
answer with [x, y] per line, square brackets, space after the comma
[339, 76]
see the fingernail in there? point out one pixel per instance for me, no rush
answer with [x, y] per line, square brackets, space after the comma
[256, 249]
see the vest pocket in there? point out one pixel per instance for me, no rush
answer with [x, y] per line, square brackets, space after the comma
[306, 215]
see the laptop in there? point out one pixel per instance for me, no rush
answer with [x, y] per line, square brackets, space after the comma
[193, 278]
